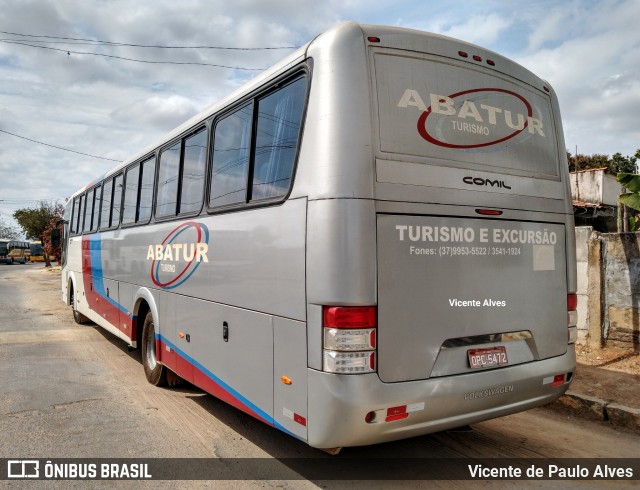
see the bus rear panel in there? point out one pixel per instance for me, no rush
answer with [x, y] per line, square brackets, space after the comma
[469, 229]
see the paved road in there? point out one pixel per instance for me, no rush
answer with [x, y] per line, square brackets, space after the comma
[75, 391]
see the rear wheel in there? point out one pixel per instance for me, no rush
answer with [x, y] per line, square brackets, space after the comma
[78, 317]
[155, 372]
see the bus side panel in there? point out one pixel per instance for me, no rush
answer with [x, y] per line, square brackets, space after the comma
[290, 376]
[231, 352]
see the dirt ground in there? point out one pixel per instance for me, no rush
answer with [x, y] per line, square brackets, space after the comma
[611, 374]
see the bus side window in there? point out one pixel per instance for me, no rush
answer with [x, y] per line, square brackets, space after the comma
[278, 128]
[231, 151]
[105, 214]
[74, 216]
[193, 170]
[145, 201]
[96, 209]
[132, 180]
[167, 192]
[88, 211]
[117, 200]
[81, 202]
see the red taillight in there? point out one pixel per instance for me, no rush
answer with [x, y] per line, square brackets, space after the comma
[349, 339]
[373, 39]
[463, 54]
[349, 316]
[572, 317]
[491, 63]
[477, 58]
[558, 380]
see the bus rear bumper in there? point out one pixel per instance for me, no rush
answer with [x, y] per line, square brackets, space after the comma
[338, 404]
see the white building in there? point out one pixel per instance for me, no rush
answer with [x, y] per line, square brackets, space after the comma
[595, 198]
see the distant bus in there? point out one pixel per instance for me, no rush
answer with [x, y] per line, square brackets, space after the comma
[372, 240]
[36, 252]
[13, 251]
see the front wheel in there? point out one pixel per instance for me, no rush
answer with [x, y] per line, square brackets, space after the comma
[155, 372]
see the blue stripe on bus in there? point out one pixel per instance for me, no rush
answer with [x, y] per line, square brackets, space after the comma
[95, 244]
[95, 250]
[226, 387]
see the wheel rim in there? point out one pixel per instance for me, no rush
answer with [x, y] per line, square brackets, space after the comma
[151, 352]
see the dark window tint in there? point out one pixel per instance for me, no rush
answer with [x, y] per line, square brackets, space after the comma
[231, 150]
[81, 204]
[105, 214]
[279, 120]
[88, 211]
[131, 194]
[96, 209]
[168, 170]
[146, 190]
[76, 214]
[193, 168]
[117, 200]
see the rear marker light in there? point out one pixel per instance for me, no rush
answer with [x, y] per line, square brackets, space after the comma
[491, 63]
[396, 413]
[489, 212]
[373, 39]
[476, 58]
[557, 379]
[463, 54]
[349, 340]
[349, 362]
[546, 89]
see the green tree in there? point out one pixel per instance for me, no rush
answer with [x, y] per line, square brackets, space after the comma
[615, 164]
[620, 164]
[35, 221]
[7, 231]
[631, 182]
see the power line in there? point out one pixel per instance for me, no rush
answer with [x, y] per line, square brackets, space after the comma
[160, 46]
[58, 147]
[69, 52]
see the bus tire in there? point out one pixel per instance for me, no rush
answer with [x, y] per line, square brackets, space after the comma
[78, 317]
[155, 372]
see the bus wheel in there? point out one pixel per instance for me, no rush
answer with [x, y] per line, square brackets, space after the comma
[78, 317]
[155, 372]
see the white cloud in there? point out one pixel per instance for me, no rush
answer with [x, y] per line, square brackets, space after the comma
[162, 113]
[481, 29]
[595, 74]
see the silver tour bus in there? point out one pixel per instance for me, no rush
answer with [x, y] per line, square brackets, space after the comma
[372, 240]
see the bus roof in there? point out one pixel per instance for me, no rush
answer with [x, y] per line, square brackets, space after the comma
[393, 37]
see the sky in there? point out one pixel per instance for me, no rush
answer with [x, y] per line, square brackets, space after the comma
[81, 95]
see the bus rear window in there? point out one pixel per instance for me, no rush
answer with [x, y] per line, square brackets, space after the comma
[452, 113]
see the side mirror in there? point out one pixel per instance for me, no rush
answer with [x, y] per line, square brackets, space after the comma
[55, 238]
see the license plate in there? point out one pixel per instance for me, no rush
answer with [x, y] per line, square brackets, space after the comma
[485, 358]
